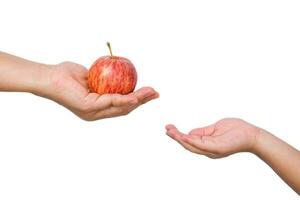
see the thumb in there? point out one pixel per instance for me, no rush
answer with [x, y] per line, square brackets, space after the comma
[203, 131]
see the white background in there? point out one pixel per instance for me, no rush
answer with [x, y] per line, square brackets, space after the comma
[208, 60]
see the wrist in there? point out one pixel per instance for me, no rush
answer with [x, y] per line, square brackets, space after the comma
[41, 80]
[260, 141]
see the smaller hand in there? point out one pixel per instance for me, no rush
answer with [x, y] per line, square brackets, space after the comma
[68, 87]
[221, 139]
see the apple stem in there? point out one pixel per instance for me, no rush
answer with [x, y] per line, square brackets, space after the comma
[109, 47]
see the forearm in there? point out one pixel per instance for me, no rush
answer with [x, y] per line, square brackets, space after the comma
[20, 75]
[281, 157]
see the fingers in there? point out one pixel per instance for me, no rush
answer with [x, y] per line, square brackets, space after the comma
[205, 143]
[112, 105]
[110, 112]
[145, 94]
[176, 135]
[124, 104]
[113, 100]
[118, 100]
[149, 98]
[141, 96]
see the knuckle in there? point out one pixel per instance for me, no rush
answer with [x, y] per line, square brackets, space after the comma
[218, 151]
[86, 117]
[193, 151]
[213, 156]
[85, 107]
[186, 148]
[125, 112]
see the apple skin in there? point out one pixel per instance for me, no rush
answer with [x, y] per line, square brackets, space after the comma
[112, 74]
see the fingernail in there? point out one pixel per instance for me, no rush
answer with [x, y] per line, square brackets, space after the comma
[168, 126]
[148, 92]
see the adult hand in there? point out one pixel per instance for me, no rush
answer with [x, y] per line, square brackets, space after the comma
[221, 139]
[67, 85]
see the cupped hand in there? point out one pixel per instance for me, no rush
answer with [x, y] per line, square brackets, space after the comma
[68, 87]
[221, 139]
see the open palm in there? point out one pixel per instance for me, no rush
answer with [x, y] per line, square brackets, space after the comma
[221, 139]
[68, 83]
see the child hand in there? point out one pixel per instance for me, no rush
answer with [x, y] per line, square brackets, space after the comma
[221, 139]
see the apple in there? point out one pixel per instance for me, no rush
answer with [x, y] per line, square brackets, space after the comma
[112, 74]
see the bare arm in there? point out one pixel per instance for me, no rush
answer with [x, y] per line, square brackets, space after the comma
[20, 75]
[281, 157]
[66, 84]
[229, 136]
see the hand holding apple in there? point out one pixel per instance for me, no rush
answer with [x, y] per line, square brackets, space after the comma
[68, 87]
[106, 90]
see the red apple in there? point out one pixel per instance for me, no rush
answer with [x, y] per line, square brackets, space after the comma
[112, 74]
